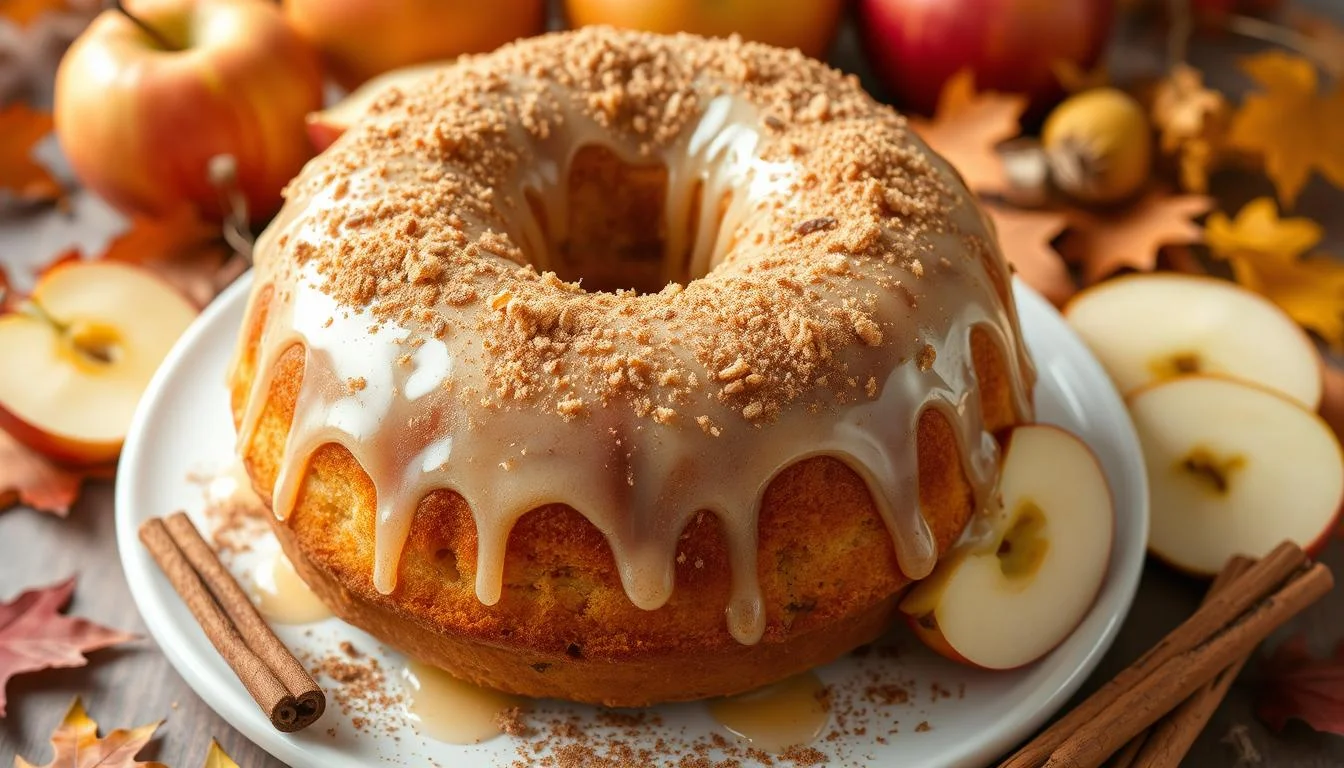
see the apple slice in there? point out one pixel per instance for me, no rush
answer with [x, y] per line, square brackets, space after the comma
[1234, 469]
[326, 126]
[80, 352]
[1149, 328]
[1010, 600]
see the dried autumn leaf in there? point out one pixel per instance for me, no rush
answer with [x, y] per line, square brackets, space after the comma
[1025, 239]
[1310, 290]
[35, 636]
[23, 12]
[184, 250]
[1130, 237]
[1295, 685]
[1192, 122]
[218, 758]
[1289, 123]
[28, 478]
[1258, 229]
[22, 127]
[76, 744]
[966, 128]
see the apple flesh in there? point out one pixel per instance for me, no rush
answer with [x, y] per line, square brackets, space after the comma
[79, 354]
[1150, 328]
[1014, 46]
[327, 125]
[1234, 469]
[1013, 598]
[140, 123]
[808, 25]
[360, 39]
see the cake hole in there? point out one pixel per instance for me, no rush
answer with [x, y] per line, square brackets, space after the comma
[574, 651]
[614, 236]
[540, 666]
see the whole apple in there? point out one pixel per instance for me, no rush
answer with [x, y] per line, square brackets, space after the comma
[140, 115]
[1011, 45]
[363, 38]
[808, 25]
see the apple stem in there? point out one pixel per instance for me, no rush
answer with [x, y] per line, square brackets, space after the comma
[223, 172]
[1182, 27]
[157, 36]
[35, 310]
[1269, 32]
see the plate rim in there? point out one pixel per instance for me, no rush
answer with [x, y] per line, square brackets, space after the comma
[140, 575]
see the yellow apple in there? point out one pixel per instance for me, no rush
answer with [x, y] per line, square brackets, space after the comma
[1012, 598]
[363, 38]
[140, 118]
[79, 353]
[808, 25]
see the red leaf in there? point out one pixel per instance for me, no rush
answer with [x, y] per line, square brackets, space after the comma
[1296, 685]
[27, 477]
[35, 636]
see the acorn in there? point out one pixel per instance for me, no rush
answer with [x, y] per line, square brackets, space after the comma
[1099, 146]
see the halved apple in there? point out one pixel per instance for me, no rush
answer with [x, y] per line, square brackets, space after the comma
[1011, 599]
[1234, 469]
[79, 353]
[1150, 328]
[326, 126]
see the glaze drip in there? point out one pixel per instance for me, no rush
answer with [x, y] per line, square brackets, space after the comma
[422, 411]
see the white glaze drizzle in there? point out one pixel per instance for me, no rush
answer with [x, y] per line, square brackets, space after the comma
[637, 481]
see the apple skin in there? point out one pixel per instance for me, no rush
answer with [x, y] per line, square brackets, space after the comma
[140, 124]
[363, 38]
[915, 46]
[808, 25]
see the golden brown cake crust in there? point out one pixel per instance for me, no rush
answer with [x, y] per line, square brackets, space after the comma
[845, 290]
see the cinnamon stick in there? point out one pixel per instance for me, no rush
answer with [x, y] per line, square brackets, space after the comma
[1175, 679]
[1166, 744]
[279, 684]
[1219, 611]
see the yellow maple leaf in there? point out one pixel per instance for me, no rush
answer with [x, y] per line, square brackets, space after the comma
[22, 127]
[77, 745]
[968, 125]
[1258, 229]
[1310, 290]
[218, 758]
[1290, 124]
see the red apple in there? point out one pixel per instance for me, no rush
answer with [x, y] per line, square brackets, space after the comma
[808, 25]
[140, 118]
[79, 353]
[363, 38]
[1012, 45]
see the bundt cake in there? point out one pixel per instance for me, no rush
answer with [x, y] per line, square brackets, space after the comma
[626, 368]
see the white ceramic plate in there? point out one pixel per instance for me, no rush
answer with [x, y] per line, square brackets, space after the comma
[183, 428]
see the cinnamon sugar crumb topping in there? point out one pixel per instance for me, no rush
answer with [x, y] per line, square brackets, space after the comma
[420, 220]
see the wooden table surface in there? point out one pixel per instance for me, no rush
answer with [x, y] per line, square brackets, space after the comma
[134, 684]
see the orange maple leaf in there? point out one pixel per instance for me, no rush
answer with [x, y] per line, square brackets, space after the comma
[1130, 237]
[21, 126]
[184, 250]
[28, 478]
[77, 745]
[1258, 230]
[1290, 123]
[1025, 239]
[966, 128]
[218, 758]
[23, 12]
